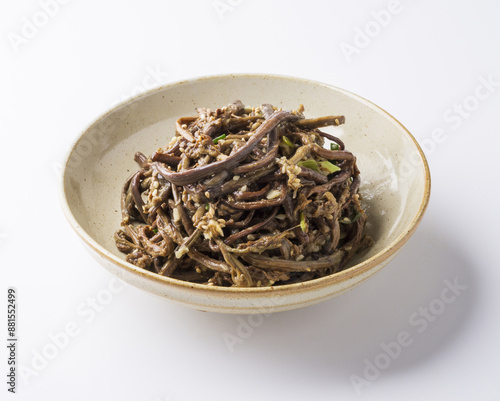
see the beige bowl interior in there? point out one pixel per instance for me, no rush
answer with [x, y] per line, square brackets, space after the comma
[395, 179]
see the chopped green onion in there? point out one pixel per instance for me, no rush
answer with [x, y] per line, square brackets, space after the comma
[155, 230]
[288, 142]
[328, 166]
[355, 219]
[347, 220]
[216, 140]
[334, 146]
[207, 206]
[310, 163]
[286, 146]
[303, 223]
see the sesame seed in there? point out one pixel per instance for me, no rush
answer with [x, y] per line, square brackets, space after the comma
[181, 251]
[273, 194]
[176, 214]
[255, 126]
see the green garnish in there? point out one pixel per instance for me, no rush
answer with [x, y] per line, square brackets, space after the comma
[347, 220]
[155, 230]
[286, 146]
[330, 167]
[287, 141]
[303, 223]
[310, 163]
[324, 166]
[216, 140]
[207, 206]
[355, 219]
[334, 146]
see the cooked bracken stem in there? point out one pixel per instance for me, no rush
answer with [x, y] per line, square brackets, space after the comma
[141, 160]
[311, 123]
[333, 139]
[264, 162]
[249, 230]
[171, 160]
[265, 262]
[251, 195]
[264, 202]
[136, 193]
[192, 175]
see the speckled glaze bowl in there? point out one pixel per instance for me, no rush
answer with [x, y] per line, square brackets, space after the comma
[395, 181]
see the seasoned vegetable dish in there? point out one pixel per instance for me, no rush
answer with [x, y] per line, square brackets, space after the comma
[245, 197]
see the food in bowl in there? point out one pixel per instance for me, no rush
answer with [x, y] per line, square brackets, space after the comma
[246, 197]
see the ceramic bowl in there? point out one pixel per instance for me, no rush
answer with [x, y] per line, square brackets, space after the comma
[395, 181]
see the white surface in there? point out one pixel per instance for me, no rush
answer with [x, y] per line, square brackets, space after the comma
[88, 55]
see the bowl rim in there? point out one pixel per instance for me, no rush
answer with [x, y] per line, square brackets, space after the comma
[305, 286]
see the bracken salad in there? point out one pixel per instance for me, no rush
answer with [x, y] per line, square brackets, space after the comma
[245, 197]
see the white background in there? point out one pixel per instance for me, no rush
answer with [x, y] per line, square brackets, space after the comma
[431, 60]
